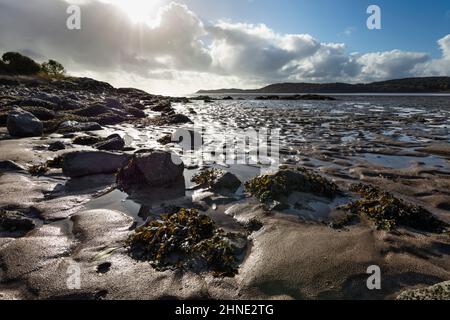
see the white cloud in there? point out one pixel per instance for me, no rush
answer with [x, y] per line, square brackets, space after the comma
[390, 64]
[178, 51]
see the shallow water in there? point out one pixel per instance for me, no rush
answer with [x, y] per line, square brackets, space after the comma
[375, 130]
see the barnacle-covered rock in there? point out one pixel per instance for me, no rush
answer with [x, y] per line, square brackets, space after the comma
[389, 212]
[440, 291]
[278, 186]
[185, 240]
[217, 180]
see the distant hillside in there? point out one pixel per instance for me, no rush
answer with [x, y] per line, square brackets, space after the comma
[409, 85]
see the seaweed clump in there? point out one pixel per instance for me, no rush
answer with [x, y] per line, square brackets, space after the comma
[388, 212]
[38, 170]
[276, 187]
[184, 240]
[41, 169]
[207, 177]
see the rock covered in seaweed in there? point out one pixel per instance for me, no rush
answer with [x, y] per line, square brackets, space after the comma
[388, 212]
[277, 187]
[185, 240]
[217, 180]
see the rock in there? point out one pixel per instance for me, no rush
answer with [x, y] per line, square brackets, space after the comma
[114, 142]
[15, 221]
[136, 112]
[86, 140]
[56, 146]
[113, 103]
[84, 163]
[228, 98]
[75, 126]
[48, 97]
[104, 267]
[10, 166]
[278, 186]
[21, 123]
[227, 181]
[92, 110]
[88, 84]
[217, 180]
[167, 119]
[155, 169]
[440, 291]
[41, 113]
[36, 103]
[110, 119]
[163, 105]
[70, 104]
[178, 119]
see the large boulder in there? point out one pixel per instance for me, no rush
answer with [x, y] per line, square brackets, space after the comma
[21, 123]
[84, 163]
[156, 169]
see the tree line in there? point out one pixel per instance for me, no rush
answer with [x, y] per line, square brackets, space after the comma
[14, 63]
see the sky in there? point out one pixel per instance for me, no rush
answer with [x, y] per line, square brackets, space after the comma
[178, 47]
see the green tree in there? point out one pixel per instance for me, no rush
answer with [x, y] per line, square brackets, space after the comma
[53, 68]
[18, 64]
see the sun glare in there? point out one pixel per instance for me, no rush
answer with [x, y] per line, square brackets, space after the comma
[138, 10]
